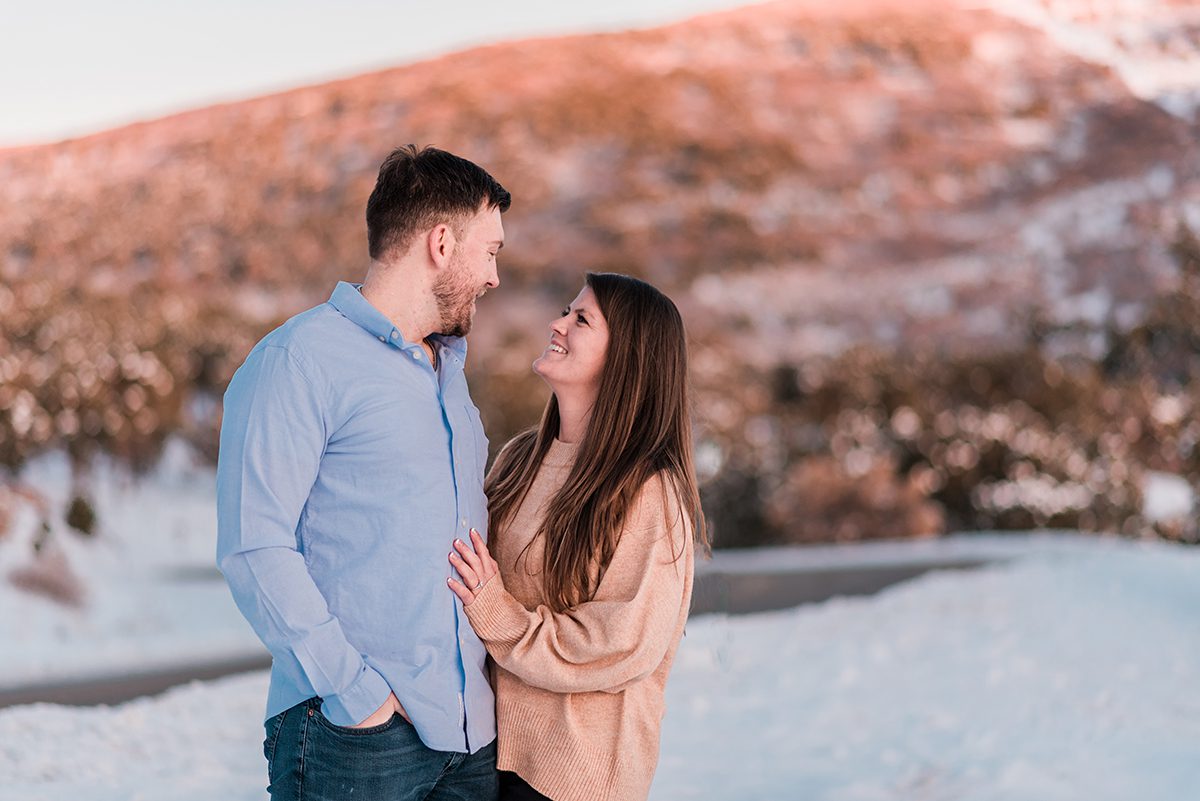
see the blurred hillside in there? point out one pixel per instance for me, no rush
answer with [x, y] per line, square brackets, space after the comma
[933, 257]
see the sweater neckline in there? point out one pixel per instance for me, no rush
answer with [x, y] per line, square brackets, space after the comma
[560, 454]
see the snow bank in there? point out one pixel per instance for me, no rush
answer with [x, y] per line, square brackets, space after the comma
[152, 595]
[1064, 676]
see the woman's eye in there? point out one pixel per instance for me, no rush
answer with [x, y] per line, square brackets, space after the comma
[565, 312]
[580, 318]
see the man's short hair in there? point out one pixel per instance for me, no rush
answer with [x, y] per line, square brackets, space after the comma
[418, 189]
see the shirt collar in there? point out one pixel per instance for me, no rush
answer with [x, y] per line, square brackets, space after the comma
[347, 298]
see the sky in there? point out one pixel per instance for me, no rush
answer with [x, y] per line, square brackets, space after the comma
[77, 66]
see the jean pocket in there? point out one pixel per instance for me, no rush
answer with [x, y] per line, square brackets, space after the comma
[354, 731]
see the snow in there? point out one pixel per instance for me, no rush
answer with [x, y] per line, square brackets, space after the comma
[1166, 497]
[153, 598]
[193, 742]
[1060, 677]
[1145, 42]
[1065, 675]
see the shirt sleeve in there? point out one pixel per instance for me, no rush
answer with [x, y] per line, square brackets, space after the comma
[273, 435]
[618, 637]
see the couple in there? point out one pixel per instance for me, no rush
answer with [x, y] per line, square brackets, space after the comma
[381, 570]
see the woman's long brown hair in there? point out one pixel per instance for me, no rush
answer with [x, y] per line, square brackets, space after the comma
[639, 427]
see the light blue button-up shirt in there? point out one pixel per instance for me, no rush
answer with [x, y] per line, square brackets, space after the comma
[347, 468]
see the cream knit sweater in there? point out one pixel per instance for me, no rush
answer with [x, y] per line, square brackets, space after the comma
[579, 694]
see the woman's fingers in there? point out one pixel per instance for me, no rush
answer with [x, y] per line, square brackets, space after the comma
[469, 556]
[470, 576]
[488, 566]
[478, 544]
[474, 564]
[464, 595]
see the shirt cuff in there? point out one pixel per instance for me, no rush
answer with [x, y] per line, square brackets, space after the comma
[357, 702]
[495, 615]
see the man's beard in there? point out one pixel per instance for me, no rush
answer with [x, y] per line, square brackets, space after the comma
[454, 293]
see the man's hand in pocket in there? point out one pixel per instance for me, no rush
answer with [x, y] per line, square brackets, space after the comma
[380, 716]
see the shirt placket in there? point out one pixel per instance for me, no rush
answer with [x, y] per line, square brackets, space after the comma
[452, 400]
[459, 439]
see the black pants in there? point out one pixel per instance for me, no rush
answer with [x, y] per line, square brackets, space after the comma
[514, 788]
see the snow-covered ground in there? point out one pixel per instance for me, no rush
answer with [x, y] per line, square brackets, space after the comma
[1065, 677]
[152, 597]
[1068, 675]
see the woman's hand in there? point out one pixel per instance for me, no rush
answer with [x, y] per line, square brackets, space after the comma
[475, 565]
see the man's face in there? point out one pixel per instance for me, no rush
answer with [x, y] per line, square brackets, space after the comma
[471, 272]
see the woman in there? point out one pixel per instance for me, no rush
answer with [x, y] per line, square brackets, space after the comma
[582, 599]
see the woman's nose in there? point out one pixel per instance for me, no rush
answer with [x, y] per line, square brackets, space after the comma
[559, 326]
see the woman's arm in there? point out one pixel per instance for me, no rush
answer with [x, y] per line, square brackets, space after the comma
[619, 636]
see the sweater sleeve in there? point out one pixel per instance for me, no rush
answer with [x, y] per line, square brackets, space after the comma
[619, 636]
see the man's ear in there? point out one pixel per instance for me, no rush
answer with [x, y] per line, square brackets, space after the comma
[441, 242]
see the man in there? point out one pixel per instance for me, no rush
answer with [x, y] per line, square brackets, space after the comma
[351, 459]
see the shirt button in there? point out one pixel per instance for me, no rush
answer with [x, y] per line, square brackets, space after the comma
[381, 339]
[417, 355]
[395, 335]
[464, 521]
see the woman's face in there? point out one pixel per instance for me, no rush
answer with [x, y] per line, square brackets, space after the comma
[574, 357]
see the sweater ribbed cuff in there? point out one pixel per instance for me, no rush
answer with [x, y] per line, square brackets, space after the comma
[495, 615]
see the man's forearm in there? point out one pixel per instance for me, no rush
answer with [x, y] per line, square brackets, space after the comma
[279, 598]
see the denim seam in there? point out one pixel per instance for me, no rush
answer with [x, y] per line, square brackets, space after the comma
[304, 724]
[441, 775]
[275, 742]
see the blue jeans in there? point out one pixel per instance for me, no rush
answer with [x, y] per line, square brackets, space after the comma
[311, 759]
